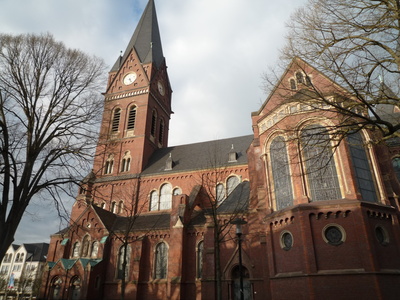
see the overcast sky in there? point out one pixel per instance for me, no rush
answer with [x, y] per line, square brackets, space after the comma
[216, 52]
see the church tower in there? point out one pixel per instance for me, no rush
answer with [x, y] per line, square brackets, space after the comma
[137, 106]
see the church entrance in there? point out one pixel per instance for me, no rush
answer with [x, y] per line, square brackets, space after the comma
[75, 289]
[247, 294]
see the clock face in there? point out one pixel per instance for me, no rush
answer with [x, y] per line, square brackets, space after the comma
[129, 78]
[161, 88]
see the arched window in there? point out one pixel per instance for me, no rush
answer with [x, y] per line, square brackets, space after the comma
[153, 123]
[161, 261]
[220, 193]
[95, 249]
[299, 77]
[85, 246]
[292, 84]
[280, 173]
[177, 191]
[114, 207]
[21, 258]
[231, 184]
[75, 288]
[161, 132]
[17, 258]
[396, 167]
[320, 166]
[108, 168]
[103, 205]
[115, 121]
[154, 201]
[199, 264]
[123, 261]
[75, 249]
[55, 292]
[165, 196]
[131, 118]
[359, 157]
[126, 162]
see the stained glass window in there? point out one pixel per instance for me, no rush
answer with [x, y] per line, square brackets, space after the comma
[161, 260]
[365, 182]
[123, 260]
[231, 184]
[320, 166]
[281, 174]
[166, 196]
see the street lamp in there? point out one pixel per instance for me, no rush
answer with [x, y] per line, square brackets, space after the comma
[239, 222]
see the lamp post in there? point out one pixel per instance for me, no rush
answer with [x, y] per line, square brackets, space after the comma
[239, 222]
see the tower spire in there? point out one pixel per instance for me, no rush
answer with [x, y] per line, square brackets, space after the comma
[146, 39]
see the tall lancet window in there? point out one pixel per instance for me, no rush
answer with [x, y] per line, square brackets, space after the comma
[359, 157]
[161, 261]
[161, 132]
[320, 168]
[153, 123]
[126, 162]
[115, 121]
[123, 260]
[131, 118]
[166, 196]
[281, 173]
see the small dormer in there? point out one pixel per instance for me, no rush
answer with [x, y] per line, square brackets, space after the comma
[232, 156]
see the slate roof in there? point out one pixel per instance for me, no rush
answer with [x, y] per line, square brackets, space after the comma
[197, 156]
[143, 222]
[237, 201]
[37, 251]
[146, 40]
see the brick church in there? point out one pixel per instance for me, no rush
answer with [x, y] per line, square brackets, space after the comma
[153, 221]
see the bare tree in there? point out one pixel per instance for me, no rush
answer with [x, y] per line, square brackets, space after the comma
[356, 43]
[215, 194]
[49, 110]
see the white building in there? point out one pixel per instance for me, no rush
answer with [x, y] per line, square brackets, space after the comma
[21, 270]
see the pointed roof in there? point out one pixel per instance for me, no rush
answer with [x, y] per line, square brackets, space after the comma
[146, 40]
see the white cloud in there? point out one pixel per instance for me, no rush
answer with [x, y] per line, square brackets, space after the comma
[216, 51]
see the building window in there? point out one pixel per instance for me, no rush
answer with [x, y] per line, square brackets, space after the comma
[396, 166]
[164, 200]
[109, 166]
[334, 234]
[292, 84]
[126, 162]
[85, 246]
[220, 193]
[95, 249]
[286, 240]
[131, 118]
[299, 77]
[161, 132]
[123, 260]
[161, 260]
[154, 200]
[231, 183]
[17, 258]
[320, 166]
[153, 123]
[200, 249]
[115, 121]
[75, 249]
[120, 206]
[382, 235]
[176, 191]
[113, 207]
[365, 182]
[281, 173]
